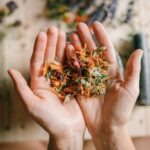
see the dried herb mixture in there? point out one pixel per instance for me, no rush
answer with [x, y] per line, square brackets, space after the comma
[89, 78]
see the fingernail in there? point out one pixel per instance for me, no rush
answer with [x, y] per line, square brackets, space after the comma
[140, 55]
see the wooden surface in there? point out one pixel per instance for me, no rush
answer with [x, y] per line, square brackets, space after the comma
[15, 52]
[140, 144]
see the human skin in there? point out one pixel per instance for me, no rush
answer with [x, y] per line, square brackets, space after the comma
[63, 121]
[106, 116]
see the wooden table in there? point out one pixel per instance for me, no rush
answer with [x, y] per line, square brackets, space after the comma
[16, 49]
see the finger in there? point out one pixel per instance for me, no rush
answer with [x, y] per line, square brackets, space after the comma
[75, 40]
[71, 56]
[37, 58]
[27, 96]
[52, 35]
[85, 36]
[61, 44]
[133, 69]
[103, 40]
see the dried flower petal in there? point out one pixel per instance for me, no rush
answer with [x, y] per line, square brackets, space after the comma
[90, 79]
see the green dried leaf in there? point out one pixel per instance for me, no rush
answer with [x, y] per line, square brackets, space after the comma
[67, 98]
[98, 50]
[48, 75]
[85, 83]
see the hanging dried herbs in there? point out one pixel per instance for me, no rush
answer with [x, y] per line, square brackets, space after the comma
[89, 78]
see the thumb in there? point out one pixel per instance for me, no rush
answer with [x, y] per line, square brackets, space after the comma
[132, 75]
[23, 89]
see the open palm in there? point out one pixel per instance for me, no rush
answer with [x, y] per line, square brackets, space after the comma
[116, 105]
[45, 107]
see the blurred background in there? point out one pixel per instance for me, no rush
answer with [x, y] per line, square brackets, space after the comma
[127, 23]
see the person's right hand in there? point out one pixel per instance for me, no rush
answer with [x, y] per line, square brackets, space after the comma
[106, 116]
[63, 121]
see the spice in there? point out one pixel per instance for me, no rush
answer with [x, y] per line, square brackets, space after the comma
[129, 13]
[90, 76]
[70, 11]
[11, 6]
[74, 11]
[7, 10]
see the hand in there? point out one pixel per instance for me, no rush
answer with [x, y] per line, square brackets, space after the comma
[107, 115]
[64, 122]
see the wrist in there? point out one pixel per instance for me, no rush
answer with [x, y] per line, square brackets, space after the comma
[113, 138]
[73, 141]
[107, 132]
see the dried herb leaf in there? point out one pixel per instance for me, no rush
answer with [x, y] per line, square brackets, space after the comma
[90, 79]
